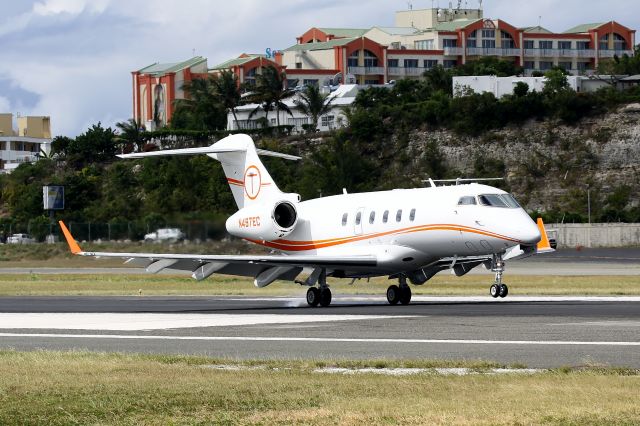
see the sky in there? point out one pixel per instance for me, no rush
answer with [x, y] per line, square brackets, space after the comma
[72, 59]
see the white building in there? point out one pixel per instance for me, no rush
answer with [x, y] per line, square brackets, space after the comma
[23, 146]
[501, 86]
[343, 96]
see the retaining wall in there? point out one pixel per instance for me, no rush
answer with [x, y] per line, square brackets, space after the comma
[595, 235]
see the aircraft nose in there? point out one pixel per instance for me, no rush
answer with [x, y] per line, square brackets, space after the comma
[529, 233]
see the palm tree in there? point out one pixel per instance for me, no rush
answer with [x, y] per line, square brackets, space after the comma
[228, 90]
[313, 104]
[270, 92]
[131, 133]
[203, 106]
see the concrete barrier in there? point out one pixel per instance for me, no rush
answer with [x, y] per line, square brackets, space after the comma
[571, 235]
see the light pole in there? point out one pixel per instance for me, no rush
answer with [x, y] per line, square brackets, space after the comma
[589, 203]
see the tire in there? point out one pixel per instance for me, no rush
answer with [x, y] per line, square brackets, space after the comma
[504, 290]
[405, 295]
[325, 297]
[494, 291]
[313, 296]
[393, 294]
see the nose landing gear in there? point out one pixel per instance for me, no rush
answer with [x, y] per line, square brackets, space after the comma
[498, 289]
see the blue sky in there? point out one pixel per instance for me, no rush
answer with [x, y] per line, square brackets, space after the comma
[72, 59]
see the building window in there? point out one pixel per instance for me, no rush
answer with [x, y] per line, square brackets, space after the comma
[528, 44]
[370, 82]
[486, 33]
[582, 45]
[564, 45]
[412, 215]
[297, 123]
[545, 44]
[385, 216]
[450, 63]
[582, 66]
[393, 63]
[310, 82]
[353, 60]
[529, 65]
[565, 65]
[546, 65]
[507, 40]
[619, 42]
[424, 45]
[399, 215]
[370, 60]
[411, 63]
[430, 63]
[450, 42]
[489, 43]
[604, 42]
[344, 219]
[472, 39]
[328, 120]
[372, 217]
[299, 65]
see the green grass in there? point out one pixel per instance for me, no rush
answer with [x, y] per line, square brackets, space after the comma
[82, 388]
[115, 284]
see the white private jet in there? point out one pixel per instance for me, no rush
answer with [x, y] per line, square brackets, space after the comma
[405, 234]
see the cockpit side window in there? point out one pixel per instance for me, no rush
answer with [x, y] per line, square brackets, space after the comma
[498, 200]
[467, 201]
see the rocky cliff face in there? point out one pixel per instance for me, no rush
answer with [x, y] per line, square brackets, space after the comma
[549, 165]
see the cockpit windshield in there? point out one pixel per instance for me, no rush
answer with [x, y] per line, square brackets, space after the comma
[498, 200]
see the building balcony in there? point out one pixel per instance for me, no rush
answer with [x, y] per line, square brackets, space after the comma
[366, 70]
[407, 71]
[560, 53]
[492, 51]
[452, 51]
[612, 53]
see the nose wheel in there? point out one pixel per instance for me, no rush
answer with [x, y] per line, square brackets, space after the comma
[498, 289]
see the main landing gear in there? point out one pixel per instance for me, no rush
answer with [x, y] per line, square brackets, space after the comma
[498, 289]
[320, 295]
[401, 293]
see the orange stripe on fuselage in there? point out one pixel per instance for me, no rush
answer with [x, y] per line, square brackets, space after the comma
[288, 245]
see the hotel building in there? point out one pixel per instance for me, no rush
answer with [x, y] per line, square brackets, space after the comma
[420, 40]
[24, 145]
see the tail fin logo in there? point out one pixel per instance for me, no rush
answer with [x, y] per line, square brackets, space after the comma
[252, 182]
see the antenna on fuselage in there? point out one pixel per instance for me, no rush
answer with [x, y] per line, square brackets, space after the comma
[458, 181]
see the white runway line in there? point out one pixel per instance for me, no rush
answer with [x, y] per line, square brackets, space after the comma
[137, 322]
[320, 339]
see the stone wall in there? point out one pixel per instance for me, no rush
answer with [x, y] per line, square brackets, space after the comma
[570, 235]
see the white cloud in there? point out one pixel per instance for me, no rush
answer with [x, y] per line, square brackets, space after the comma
[5, 105]
[73, 7]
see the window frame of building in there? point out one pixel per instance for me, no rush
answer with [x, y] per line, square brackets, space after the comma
[472, 39]
[565, 65]
[582, 45]
[393, 63]
[506, 41]
[411, 63]
[604, 42]
[429, 63]
[449, 42]
[545, 65]
[619, 43]
[328, 120]
[529, 44]
[489, 33]
[565, 45]
[488, 43]
[370, 59]
[423, 44]
[545, 44]
[450, 63]
[529, 65]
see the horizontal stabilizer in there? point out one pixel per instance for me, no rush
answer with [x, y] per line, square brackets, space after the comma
[204, 150]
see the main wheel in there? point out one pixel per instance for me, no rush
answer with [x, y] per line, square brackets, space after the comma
[325, 297]
[393, 294]
[504, 290]
[405, 295]
[494, 291]
[313, 296]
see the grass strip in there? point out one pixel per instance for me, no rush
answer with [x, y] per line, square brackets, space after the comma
[80, 388]
[140, 284]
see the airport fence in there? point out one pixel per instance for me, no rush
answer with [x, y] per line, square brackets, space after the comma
[196, 231]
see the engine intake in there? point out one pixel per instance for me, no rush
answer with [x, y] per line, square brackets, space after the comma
[265, 222]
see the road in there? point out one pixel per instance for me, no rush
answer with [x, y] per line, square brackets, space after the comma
[539, 332]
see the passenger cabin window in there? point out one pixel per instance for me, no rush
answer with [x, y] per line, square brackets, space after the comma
[344, 219]
[372, 217]
[385, 216]
[399, 216]
[505, 201]
[467, 201]
[412, 215]
[358, 218]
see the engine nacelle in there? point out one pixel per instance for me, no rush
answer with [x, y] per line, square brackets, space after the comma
[264, 222]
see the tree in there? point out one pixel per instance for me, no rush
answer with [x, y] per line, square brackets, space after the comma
[270, 92]
[556, 81]
[521, 89]
[228, 91]
[130, 133]
[440, 78]
[202, 110]
[313, 104]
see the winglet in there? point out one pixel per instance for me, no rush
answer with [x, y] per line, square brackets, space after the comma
[544, 244]
[73, 245]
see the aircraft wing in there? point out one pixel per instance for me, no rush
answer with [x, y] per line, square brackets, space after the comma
[202, 266]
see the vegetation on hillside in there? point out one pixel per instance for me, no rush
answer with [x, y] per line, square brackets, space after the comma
[373, 153]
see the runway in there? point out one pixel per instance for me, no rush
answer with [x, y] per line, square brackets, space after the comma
[540, 332]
